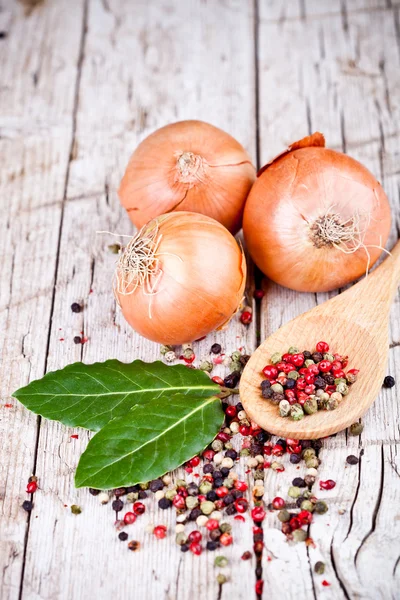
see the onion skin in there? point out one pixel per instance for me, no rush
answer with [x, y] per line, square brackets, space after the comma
[157, 180]
[195, 295]
[290, 194]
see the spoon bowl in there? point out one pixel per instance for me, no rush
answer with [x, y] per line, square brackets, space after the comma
[354, 324]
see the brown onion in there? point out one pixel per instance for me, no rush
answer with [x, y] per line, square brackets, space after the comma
[315, 219]
[190, 166]
[182, 276]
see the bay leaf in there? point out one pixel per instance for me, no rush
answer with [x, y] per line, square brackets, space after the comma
[149, 441]
[90, 396]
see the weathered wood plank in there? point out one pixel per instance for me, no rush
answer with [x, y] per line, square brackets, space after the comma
[127, 64]
[36, 104]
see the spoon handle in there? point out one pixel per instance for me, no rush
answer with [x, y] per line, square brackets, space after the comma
[388, 273]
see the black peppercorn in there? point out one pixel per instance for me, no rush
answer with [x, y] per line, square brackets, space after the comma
[208, 468]
[290, 384]
[276, 398]
[194, 513]
[211, 496]
[237, 494]
[215, 534]
[229, 499]
[184, 547]
[77, 339]
[76, 308]
[256, 449]
[94, 492]
[192, 489]
[239, 406]
[299, 501]
[389, 381]
[231, 453]
[133, 488]
[225, 471]
[244, 359]
[317, 445]
[164, 503]
[352, 460]
[295, 459]
[232, 379]
[117, 505]
[218, 482]
[142, 495]
[305, 444]
[259, 571]
[27, 505]
[156, 485]
[216, 348]
[265, 384]
[262, 437]
[317, 357]
[307, 355]
[213, 545]
[120, 492]
[282, 443]
[299, 482]
[123, 536]
[230, 509]
[330, 380]
[267, 393]
[320, 383]
[217, 474]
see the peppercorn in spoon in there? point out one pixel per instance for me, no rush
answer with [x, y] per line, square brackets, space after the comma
[355, 324]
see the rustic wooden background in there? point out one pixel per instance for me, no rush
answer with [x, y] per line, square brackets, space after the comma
[82, 82]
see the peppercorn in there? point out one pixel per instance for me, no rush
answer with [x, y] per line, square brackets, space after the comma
[156, 485]
[77, 339]
[123, 536]
[307, 505]
[308, 453]
[299, 482]
[27, 505]
[319, 568]
[134, 545]
[218, 482]
[295, 458]
[312, 462]
[329, 378]
[75, 307]
[320, 382]
[317, 445]
[317, 357]
[299, 535]
[164, 503]
[286, 528]
[93, 491]
[212, 496]
[258, 474]
[205, 487]
[276, 398]
[296, 412]
[207, 507]
[117, 505]
[75, 509]
[294, 491]
[229, 499]
[284, 515]
[194, 514]
[284, 408]
[356, 429]
[208, 468]
[184, 547]
[331, 404]
[244, 359]
[309, 480]
[215, 534]
[351, 378]
[389, 381]
[232, 380]
[352, 460]
[342, 388]
[310, 405]
[320, 507]
[231, 454]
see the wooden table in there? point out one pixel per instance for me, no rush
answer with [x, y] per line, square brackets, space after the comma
[82, 82]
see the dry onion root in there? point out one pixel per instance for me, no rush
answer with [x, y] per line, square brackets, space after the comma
[188, 166]
[182, 276]
[315, 219]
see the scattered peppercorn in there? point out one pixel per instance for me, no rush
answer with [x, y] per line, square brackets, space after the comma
[75, 307]
[134, 545]
[389, 381]
[27, 505]
[356, 429]
[77, 339]
[319, 568]
[352, 460]
[75, 509]
[216, 349]
[123, 536]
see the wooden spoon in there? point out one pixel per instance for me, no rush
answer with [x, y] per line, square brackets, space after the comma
[354, 323]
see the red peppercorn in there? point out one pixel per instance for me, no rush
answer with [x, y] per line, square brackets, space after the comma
[226, 539]
[304, 371]
[309, 389]
[160, 531]
[268, 450]
[258, 547]
[258, 294]
[295, 449]
[222, 491]
[259, 587]
[267, 465]
[139, 508]
[246, 555]
[278, 503]
[302, 397]
[212, 524]
[219, 504]
[240, 485]
[280, 366]
[188, 469]
[325, 583]
[291, 442]
[246, 317]
[244, 430]
[282, 380]
[305, 517]
[329, 484]
[31, 487]
[353, 371]
[337, 365]
[325, 366]
[258, 514]
[241, 505]
[295, 523]
[201, 498]
[129, 518]
[231, 411]
[208, 454]
[179, 502]
[257, 530]
[301, 383]
[195, 461]
[182, 491]
[322, 347]
[195, 536]
[217, 380]
[277, 450]
[224, 437]
[286, 529]
[310, 378]
[195, 548]
[287, 357]
[314, 369]
[298, 359]
[340, 374]
[290, 394]
[288, 367]
[270, 371]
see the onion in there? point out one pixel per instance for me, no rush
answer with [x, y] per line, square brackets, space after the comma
[182, 276]
[189, 166]
[315, 219]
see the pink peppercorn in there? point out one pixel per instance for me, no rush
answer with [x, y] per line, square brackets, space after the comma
[246, 317]
[270, 371]
[195, 536]
[329, 484]
[322, 347]
[160, 531]
[226, 539]
[179, 502]
[129, 518]
[217, 380]
[139, 508]
[212, 524]
[31, 487]
[195, 461]
[240, 485]
[278, 503]
[258, 514]
[231, 411]
[195, 548]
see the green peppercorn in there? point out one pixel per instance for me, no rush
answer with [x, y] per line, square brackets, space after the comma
[293, 375]
[356, 428]
[284, 515]
[277, 387]
[244, 452]
[296, 412]
[294, 491]
[339, 380]
[181, 538]
[309, 362]
[229, 483]
[351, 378]
[342, 388]
[181, 483]
[312, 463]
[307, 505]
[75, 509]
[310, 405]
[225, 527]
[221, 561]
[207, 507]
[191, 502]
[284, 408]
[207, 366]
[299, 535]
[308, 453]
[276, 358]
[259, 474]
[221, 578]
[331, 404]
[188, 353]
[320, 507]
[293, 350]
[205, 487]
[170, 494]
[329, 356]
[217, 445]
[164, 349]
[307, 493]
[277, 466]
[145, 486]
[132, 497]
[319, 568]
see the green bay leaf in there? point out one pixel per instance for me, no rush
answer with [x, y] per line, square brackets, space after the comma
[149, 441]
[90, 396]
